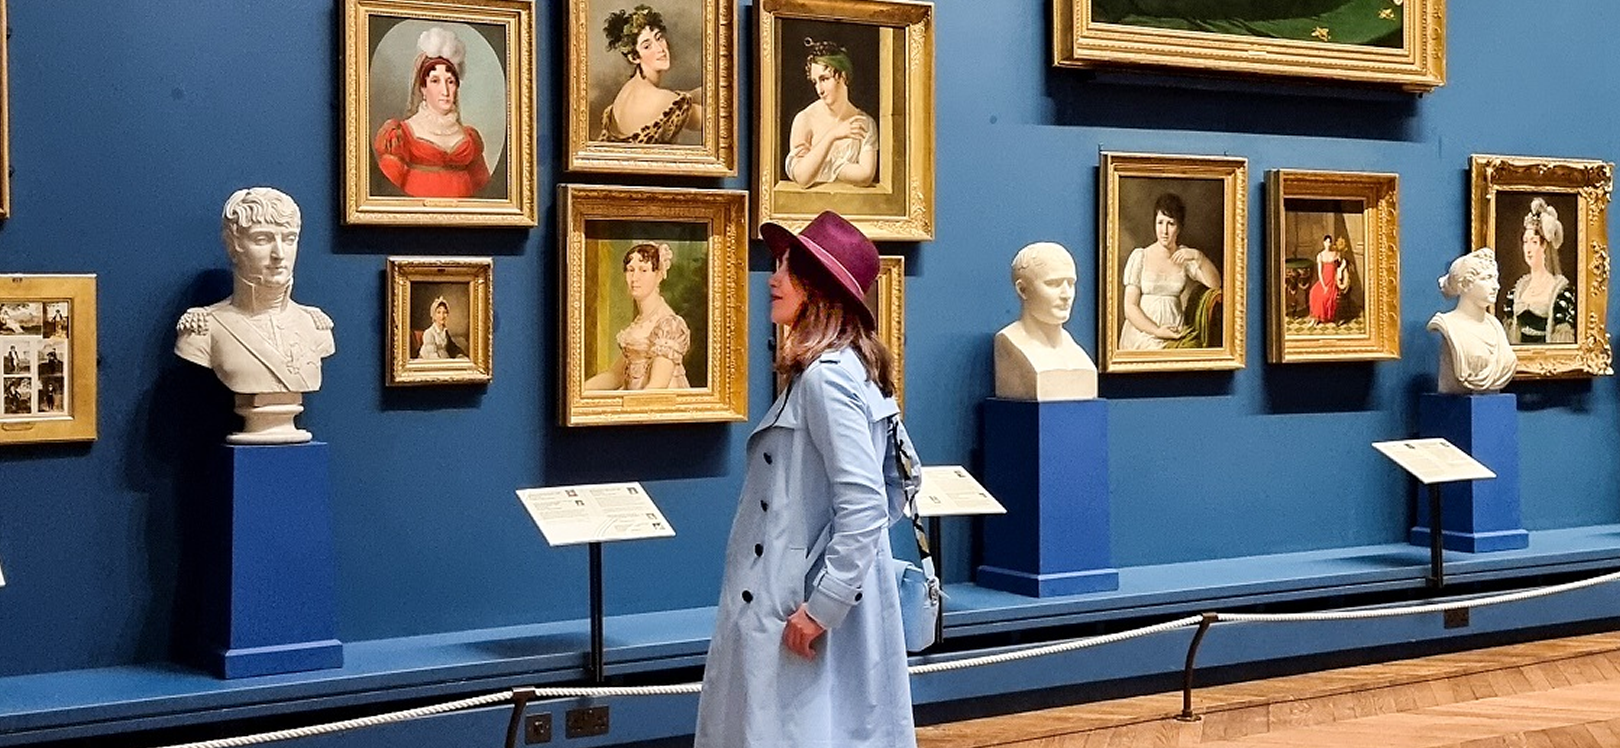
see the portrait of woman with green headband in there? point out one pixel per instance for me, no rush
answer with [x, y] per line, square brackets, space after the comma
[831, 140]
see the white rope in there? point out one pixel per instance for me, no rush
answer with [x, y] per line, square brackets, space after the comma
[1052, 649]
[925, 669]
[353, 724]
[1351, 615]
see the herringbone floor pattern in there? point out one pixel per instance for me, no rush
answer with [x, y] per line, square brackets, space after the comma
[1562, 693]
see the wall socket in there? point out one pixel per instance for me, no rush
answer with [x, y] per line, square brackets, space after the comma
[587, 722]
[537, 728]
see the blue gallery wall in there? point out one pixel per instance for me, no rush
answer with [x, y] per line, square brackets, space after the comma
[131, 123]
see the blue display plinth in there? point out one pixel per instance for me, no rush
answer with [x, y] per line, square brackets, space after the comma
[1047, 462]
[274, 607]
[1476, 516]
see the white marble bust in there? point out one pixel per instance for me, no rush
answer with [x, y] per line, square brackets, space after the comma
[1475, 355]
[1036, 359]
[264, 346]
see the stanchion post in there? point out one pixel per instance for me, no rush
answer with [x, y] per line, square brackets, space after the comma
[1437, 564]
[1186, 714]
[598, 674]
[514, 727]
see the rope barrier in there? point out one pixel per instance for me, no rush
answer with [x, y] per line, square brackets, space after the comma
[1043, 650]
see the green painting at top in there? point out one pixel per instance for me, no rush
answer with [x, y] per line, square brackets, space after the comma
[1375, 23]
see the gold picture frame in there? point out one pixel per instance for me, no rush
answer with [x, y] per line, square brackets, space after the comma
[887, 300]
[1505, 191]
[397, 171]
[47, 358]
[654, 305]
[5, 116]
[598, 74]
[1206, 323]
[1333, 266]
[889, 195]
[424, 350]
[1382, 42]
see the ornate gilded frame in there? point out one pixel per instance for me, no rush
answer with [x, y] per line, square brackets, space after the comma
[5, 117]
[888, 304]
[1419, 65]
[896, 207]
[1376, 261]
[471, 276]
[361, 205]
[723, 216]
[1231, 176]
[1590, 183]
[75, 335]
[715, 157]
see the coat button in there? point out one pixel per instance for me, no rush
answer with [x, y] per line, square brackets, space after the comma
[857, 597]
[767, 458]
[747, 596]
[764, 507]
[759, 549]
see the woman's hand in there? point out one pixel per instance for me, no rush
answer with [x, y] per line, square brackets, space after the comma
[855, 127]
[801, 632]
[1185, 255]
[1168, 332]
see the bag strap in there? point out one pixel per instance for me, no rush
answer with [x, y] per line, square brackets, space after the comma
[910, 480]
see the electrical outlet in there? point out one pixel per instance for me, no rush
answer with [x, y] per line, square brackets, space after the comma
[1456, 618]
[537, 728]
[587, 722]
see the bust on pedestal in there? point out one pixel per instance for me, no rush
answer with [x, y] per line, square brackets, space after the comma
[1046, 445]
[1036, 359]
[264, 346]
[1476, 362]
[273, 608]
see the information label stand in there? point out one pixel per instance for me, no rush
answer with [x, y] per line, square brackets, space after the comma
[593, 515]
[950, 491]
[1434, 462]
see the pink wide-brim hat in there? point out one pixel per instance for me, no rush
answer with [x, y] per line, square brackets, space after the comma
[849, 257]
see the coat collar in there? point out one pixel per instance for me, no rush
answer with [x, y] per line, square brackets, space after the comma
[784, 412]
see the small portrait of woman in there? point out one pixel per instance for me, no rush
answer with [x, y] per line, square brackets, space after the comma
[1540, 306]
[1317, 242]
[435, 341]
[651, 349]
[645, 108]
[1172, 291]
[445, 133]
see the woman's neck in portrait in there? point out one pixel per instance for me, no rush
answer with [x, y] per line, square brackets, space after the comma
[650, 306]
[429, 122]
[650, 77]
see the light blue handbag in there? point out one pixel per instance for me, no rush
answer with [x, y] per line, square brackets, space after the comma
[922, 601]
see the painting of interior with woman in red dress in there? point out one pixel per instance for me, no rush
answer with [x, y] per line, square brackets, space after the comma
[1323, 292]
[446, 143]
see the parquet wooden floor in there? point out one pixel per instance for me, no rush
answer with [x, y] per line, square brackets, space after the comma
[1562, 693]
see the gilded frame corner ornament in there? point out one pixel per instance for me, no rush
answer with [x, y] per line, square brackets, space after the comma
[1080, 39]
[1230, 176]
[888, 304]
[472, 364]
[716, 156]
[722, 216]
[514, 203]
[1376, 268]
[894, 208]
[1589, 185]
[43, 314]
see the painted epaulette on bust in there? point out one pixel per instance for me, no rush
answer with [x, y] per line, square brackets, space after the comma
[193, 322]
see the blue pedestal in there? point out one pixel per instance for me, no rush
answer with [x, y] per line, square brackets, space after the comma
[1047, 462]
[274, 608]
[1476, 516]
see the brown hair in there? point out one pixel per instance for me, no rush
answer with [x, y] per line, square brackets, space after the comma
[828, 320]
[427, 66]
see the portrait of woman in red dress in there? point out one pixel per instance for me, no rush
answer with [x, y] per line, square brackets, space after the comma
[431, 153]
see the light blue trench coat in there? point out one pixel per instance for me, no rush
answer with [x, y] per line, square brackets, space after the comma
[812, 525]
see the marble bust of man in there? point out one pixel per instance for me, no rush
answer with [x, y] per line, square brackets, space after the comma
[1036, 359]
[262, 345]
